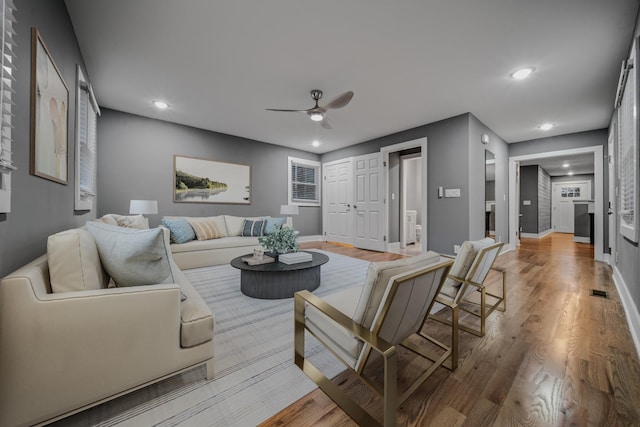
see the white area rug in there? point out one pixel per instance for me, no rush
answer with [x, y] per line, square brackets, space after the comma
[255, 376]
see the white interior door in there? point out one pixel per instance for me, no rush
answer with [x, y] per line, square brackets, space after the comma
[562, 198]
[338, 201]
[368, 191]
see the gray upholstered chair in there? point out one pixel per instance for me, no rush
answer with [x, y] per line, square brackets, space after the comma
[468, 274]
[378, 316]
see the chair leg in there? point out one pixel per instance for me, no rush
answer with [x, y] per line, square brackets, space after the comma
[209, 366]
[454, 338]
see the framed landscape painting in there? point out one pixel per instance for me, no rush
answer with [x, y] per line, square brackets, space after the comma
[207, 181]
[49, 115]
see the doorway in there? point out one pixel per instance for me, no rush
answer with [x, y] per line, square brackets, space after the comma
[597, 154]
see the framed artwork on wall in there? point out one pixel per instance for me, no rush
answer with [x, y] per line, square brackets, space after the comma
[198, 180]
[49, 115]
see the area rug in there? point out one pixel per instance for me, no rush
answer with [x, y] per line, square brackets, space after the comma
[255, 376]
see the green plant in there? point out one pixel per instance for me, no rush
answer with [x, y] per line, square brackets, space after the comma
[281, 241]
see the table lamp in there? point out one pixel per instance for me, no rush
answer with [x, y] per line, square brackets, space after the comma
[143, 207]
[289, 210]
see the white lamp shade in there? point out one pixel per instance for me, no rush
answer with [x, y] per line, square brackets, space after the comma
[289, 210]
[143, 207]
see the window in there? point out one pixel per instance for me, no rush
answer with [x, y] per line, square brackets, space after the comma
[304, 182]
[7, 68]
[87, 112]
[628, 151]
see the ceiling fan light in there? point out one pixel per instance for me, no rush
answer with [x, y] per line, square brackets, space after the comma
[316, 117]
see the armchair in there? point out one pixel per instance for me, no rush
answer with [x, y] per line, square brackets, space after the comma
[379, 317]
[468, 274]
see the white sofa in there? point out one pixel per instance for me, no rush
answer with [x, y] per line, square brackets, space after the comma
[64, 351]
[217, 251]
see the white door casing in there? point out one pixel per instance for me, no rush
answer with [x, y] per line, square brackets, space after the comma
[369, 207]
[562, 196]
[338, 201]
[613, 193]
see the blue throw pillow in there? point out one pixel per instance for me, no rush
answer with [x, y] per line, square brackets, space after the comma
[273, 224]
[180, 230]
[253, 228]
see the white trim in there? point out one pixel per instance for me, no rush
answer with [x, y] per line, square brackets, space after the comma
[310, 163]
[608, 259]
[581, 239]
[536, 235]
[393, 247]
[599, 192]
[313, 238]
[422, 143]
[630, 309]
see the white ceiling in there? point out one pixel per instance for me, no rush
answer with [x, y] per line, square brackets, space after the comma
[578, 164]
[219, 64]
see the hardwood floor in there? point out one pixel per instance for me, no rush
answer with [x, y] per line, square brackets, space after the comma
[558, 356]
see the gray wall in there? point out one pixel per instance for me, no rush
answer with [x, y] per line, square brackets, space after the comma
[529, 193]
[455, 159]
[39, 207]
[544, 201]
[476, 165]
[135, 161]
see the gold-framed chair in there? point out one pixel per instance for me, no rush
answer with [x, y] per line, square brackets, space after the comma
[468, 274]
[378, 316]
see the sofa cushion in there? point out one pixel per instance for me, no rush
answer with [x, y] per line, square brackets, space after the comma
[205, 229]
[377, 279]
[74, 263]
[227, 242]
[273, 224]
[131, 221]
[235, 223]
[196, 319]
[218, 221]
[132, 256]
[180, 230]
[107, 219]
[252, 228]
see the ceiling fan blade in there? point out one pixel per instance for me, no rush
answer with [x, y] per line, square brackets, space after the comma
[325, 123]
[286, 111]
[340, 101]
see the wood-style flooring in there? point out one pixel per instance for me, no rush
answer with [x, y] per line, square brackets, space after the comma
[558, 356]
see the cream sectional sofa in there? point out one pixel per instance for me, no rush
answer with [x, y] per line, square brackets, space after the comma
[64, 350]
[219, 250]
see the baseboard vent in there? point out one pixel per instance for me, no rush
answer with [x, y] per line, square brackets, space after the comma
[599, 293]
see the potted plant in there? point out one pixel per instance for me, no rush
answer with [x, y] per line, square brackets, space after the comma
[281, 241]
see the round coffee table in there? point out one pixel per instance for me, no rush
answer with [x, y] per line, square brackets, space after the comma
[277, 280]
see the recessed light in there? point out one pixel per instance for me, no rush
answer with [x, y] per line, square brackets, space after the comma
[161, 105]
[315, 143]
[570, 173]
[522, 73]
[565, 165]
[546, 126]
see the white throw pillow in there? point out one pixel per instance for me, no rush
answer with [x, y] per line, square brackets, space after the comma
[74, 263]
[133, 257]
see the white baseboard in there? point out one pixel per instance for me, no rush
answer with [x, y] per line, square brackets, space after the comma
[393, 247]
[536, 235]
[630, 309]
[607, 258]
[580, 239]
[310, 238]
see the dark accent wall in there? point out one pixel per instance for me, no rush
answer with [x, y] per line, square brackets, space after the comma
[135, 161]
[39, 207]
[544, 201]
[529, 193]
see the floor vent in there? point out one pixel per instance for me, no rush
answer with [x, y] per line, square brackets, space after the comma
[599, 293]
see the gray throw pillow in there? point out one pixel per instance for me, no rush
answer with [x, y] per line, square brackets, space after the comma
[133, 257]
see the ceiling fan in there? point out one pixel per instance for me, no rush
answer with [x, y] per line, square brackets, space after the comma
[318, 113]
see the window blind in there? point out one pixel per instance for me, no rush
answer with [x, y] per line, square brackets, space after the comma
[628, 152]
[304, 182]
[7, 79]
[87, 144]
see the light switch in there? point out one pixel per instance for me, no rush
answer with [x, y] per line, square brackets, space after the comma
[526, 202]
[452, 192]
